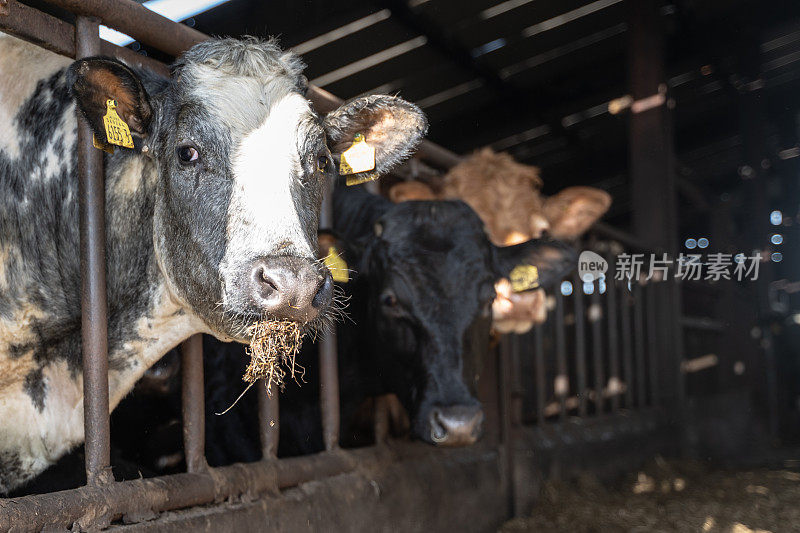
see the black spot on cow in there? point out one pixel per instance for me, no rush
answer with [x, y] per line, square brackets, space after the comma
[36, 388]
[10, 469]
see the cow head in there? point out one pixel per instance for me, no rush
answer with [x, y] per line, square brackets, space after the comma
[507, 196]
[239, 160]
[427, 271]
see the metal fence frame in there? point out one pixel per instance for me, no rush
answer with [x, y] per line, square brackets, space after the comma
[104, 500]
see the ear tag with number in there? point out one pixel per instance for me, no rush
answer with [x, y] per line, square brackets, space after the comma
[360, 157]
[336, 265]
[524, 278]
[117, 132]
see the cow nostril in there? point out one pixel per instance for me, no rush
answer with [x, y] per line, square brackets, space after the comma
[438, 431]
[265, 279]
[477, 430]
[324, 293]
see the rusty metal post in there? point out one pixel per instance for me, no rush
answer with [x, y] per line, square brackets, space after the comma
[329, 390]
[639, 337]
[541, 379]
[328, 358]
[561, 383]
[193, 404]
[94, 307]
[268, 421]
[627, 345]
[595, 316]
[652, 342]
[506, 427]
[613, 344]
[653, 188]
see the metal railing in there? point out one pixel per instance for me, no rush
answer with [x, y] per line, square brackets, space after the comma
[103, 500]
[597, 354]
[602, 357]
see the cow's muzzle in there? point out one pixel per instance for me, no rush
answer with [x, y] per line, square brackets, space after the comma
[290, 288]
[457, 425]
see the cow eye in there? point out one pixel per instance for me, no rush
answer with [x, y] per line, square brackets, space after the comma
[323, 162]
[187, 154]
[388, 299]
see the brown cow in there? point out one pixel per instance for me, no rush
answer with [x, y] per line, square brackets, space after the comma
[507, 196]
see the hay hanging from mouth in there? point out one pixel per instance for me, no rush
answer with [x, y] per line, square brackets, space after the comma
[273, 347]
[274, 344]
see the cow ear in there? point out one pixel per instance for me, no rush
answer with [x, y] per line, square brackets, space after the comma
[552, 259]
[572, 211]
[329, 239]
[392, 126]
[334, 253]
[407, 191]
[95, 80]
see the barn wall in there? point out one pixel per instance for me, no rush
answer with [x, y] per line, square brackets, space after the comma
[444, 490]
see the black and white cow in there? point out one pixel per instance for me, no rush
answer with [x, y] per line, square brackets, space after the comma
[211, 218]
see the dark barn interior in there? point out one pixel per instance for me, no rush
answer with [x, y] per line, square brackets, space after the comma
[685, 112]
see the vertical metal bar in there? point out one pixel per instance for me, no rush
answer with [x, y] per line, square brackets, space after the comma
[328, 357]
[580, 344]
[653, 184]
[517, 392]
[627, 345]
[652, 342]
[193, 403]
[94, 307]
[639, 338]
[595, 316]
[506, 428]
[329, 390]
[268, 421]
[561, 383]
[613, 344]
[541, 381]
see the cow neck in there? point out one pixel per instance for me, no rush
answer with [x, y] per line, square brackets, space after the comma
[146, 319]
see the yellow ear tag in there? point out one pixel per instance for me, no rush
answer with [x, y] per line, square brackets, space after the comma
[337, 266]
[524, 278]
[117, 132]
[100, 145]
[360, 157]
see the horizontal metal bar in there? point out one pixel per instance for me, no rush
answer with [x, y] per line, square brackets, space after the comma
[143, 497]
[173, 38]
[58, 36]
[133, 19]
[39, 28]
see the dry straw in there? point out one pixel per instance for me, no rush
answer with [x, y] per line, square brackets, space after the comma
[273, 347]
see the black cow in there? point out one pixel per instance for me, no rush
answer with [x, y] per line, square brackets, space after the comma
[421, 293]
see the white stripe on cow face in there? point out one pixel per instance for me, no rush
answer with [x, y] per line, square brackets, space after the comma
[262, 217]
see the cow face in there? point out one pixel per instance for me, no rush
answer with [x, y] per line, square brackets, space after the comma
[240, 160]
[430, 274]
[507, 196]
